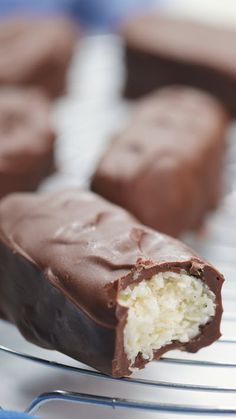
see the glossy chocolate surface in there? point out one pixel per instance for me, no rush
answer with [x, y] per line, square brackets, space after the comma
[165, 167]
[63, 258]
[162, 50]
[26, 139]
[36, 52]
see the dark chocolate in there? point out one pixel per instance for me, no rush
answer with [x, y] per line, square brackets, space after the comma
[64, 257]
[26, 139]
[162, 50]
[165, 167]
[36, 52]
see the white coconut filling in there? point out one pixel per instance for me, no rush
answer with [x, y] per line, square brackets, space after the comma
[168, 307]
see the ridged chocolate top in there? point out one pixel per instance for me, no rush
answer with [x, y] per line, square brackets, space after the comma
[183, 39]
[88, 248]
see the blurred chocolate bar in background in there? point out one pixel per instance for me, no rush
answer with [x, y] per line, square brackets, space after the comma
[165, 167]
[26, 139]
[36, 52]
[162, 50]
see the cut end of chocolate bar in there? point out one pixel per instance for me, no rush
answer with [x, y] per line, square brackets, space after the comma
[170, 307]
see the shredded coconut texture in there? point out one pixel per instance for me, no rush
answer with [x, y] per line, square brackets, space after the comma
[168, 307]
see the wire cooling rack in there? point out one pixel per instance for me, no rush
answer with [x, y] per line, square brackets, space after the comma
[83, 398]
[199, 385]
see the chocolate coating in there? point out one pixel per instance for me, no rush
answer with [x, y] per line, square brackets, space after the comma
[162, 50]
[26, 140]
[64, 257]
[36, 52]
[165, 166]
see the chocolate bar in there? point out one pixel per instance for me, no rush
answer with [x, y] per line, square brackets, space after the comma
[165, 167]
[36, 52]
[162, 50]
[82, 276]
[26, 139]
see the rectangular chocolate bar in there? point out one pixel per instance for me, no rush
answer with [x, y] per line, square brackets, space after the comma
[162, 50]
[165, 167]
[82, 276]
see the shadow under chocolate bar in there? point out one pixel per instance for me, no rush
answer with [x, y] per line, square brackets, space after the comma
[82, 276]
[162, 50]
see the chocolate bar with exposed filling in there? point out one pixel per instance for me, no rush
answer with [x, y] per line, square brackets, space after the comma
[161, 50]
[82, 276]
[165, 166]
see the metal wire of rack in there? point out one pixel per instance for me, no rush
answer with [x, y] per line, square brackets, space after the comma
[219, 247]
[83, 398]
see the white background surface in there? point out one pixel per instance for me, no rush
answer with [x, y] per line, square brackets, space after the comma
[84, 121]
